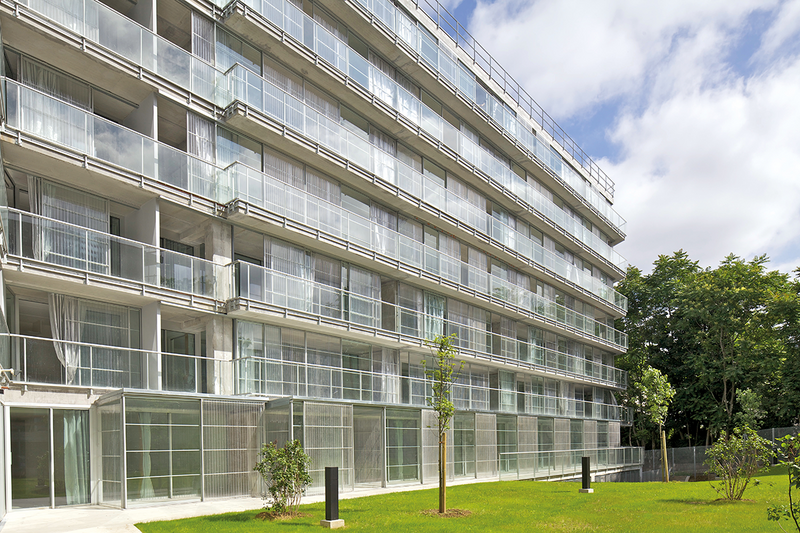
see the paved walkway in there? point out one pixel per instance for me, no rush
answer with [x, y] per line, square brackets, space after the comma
[99, 519]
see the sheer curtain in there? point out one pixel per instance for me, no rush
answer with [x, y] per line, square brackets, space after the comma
[55, 84]
[381, 79]
[385, 155]
[365, 297]
[292, 289]
[76, 453]
[65, 326]
[384, 230]
[200, 142]
[202, 38]
[434, 315]
[326, 212]
[327, 277]
[411, 238]
[285, 171]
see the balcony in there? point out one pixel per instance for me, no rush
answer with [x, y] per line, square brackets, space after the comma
[271, 291]
[49, 362]
[56, 246]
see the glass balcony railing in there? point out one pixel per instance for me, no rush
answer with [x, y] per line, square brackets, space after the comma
[43, 116]
[39, 360]
[67, 245]
[306, 30]
[259, 284]
[262, 96]
[103, 25]
[565, 463]
[259, 375]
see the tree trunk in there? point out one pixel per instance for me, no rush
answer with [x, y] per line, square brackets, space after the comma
[443, 473]
[664, 465]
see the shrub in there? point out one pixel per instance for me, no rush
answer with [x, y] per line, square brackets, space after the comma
[285, 471]
[737, 457]
[790, 450]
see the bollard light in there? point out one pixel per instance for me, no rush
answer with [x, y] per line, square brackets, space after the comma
[332, 520]
[586, 476]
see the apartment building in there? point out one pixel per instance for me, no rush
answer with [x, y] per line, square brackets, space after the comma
[237, 222]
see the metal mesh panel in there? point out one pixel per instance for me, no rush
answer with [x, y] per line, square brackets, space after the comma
[528, 435]
[368, 445]
[277, 423]
[430, 448]
[561, 434]
[590, 434]
[463, 444]
[402, 445]
[613, 435]
[111, 460]
[328, 440]
[486, 445]
[230, 445]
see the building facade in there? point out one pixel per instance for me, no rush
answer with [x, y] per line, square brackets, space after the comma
[236, 222]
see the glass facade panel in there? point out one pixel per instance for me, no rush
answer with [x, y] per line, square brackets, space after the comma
[402, 445]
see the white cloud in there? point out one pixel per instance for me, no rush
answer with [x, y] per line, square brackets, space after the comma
[708, 157]
[713, 171]
[578, 53]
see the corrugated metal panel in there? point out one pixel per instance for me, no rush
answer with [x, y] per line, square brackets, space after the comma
[328, 440]
[613, 435]
[368, 448]
[231, 443]
[430, 448]
[561, 435]
[590, 434]
[486, 445]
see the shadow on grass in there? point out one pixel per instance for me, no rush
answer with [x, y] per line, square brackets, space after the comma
[718, 502]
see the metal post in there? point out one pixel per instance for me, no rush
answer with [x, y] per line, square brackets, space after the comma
[332, 520]
[586, 476]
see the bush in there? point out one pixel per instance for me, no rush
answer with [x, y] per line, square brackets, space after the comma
[790, 450]
[285, 471]
[736, 458]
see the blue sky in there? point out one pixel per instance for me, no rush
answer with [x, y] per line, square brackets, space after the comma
[692, 108]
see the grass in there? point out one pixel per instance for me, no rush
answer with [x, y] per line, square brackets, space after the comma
[528, 505]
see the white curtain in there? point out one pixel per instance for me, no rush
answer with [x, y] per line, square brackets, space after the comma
[434, 315]
[202, 38]
[385, 156]
[200, 137]
[55, 84]
[384, 230]
[381, 79]
[146, 489]
[327, 285]
[76, 453]
[411, 238]
[292, 289]
[365, 297]
[65, 326]
[325, 212]
[283, 78]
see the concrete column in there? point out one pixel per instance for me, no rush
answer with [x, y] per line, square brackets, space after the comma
[144, 12]
[219, 345]
[144, 224]
[151, 341]
[218, 241]
[144, 119]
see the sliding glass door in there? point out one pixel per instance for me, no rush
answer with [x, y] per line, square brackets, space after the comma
[49, 457]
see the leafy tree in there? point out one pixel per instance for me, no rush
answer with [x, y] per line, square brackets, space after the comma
[443, 374]
[751, 413]
[727, 314]
[790, 450]
[285, 472]
[715, 332]
[737, 457]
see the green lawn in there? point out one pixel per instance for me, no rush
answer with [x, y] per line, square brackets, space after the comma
[532, 506]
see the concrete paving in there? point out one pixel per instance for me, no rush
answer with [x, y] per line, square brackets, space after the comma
[100, 519]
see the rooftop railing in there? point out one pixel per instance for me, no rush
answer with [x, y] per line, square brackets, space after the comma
[75, 247]
[366, 312]
[41, 115]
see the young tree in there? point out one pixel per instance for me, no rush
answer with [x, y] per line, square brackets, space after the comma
[656, 394]
[285, 472]
[443, 374]
[736, 458]
[790, 449]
